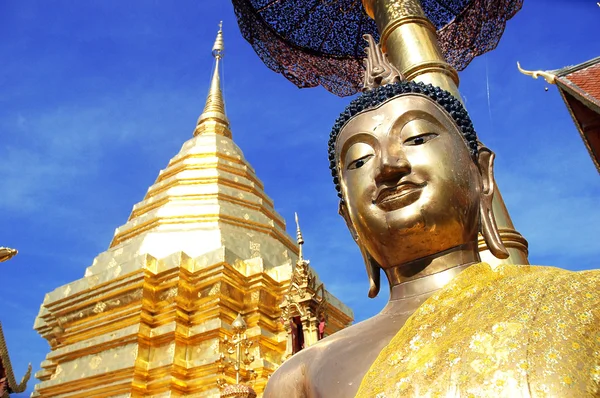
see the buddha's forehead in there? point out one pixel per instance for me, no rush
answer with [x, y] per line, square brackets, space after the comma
[401, 109]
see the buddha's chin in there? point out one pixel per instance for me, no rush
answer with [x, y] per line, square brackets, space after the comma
[406, 214]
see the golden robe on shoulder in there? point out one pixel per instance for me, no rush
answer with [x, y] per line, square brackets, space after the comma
[517, 331]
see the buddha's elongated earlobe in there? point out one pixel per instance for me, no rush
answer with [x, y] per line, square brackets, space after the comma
[373, 269]
[489, 229]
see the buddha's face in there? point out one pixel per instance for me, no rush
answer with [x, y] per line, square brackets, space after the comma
[409, 184]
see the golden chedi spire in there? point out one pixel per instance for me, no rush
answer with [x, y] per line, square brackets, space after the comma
[299, 238]
[214, 119]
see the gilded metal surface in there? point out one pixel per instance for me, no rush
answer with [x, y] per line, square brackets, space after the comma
[414, 199]
[149, 316]
[6, 253]
[8, 383]
[548, 76]
[516, 331]
[411, 43]
[239, 347]
[213, 119]
[378, 70]
[409, 156]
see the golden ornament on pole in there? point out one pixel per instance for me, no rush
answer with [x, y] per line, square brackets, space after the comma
[238, 346]
[6, 253]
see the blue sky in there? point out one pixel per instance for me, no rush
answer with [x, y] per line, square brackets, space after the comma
[97, 96]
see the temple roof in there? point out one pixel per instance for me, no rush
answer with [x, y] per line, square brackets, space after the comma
[583, 80]
[579, 86]
[8, 383]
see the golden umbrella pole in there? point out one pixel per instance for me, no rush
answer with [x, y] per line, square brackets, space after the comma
[410, 41]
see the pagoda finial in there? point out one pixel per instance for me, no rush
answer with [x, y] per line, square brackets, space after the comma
[299, 238]
[214, 120]
[219, 47]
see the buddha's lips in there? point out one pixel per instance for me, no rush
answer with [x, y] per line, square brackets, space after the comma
[388, 194]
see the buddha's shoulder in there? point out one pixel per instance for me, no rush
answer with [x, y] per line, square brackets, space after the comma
[299, 372]
[335, 345]
[293, 378]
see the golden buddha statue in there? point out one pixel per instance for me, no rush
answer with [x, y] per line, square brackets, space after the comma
[415, 188]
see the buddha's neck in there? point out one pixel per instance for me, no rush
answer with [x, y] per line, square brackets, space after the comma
[430, 273]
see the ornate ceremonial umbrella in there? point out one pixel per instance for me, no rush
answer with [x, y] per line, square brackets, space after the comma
[319, 42]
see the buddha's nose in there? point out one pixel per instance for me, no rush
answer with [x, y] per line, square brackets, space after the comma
[394, 165]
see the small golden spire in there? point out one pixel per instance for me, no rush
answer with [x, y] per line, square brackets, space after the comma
[299, 238]
[214, 120]
[219, 47]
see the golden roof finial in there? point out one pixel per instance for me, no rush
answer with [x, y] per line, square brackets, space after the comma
[214, 120]
[6, 253]
[299, 238]
[548, 76]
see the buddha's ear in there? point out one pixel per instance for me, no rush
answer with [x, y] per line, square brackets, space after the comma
[373, 269]
[489, 229]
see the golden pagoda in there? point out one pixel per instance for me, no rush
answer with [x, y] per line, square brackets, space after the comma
[153, 313]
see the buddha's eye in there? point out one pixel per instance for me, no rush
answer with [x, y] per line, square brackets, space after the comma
[420, 139]
[358, 163]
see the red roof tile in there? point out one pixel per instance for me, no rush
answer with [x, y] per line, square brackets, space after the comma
[587, 81]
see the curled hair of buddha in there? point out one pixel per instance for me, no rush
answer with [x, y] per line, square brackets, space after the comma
[375, 97]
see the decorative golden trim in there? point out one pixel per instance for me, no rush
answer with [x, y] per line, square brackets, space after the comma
[549, 77]
[204, 218]
[378, 70]
[13, 387]
[395, 24]
[431, 67]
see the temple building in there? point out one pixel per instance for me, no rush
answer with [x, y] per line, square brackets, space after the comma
[8, 383]
[203, 262]
[579, 87]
